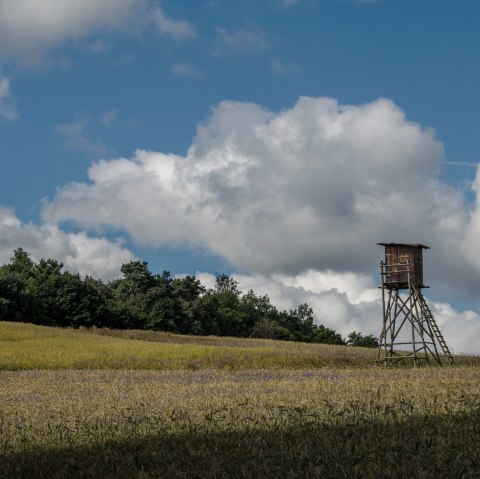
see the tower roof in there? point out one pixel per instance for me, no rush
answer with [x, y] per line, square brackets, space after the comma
[416, 245]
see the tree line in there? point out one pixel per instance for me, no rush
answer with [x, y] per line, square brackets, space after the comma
[44, 293]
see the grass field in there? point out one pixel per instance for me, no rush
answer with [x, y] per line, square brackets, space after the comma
[25, 347]
[134, 404]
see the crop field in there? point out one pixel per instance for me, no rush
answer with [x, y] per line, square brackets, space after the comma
[26, 347]
[270, 410]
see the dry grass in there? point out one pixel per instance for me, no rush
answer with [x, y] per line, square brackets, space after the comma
[284, 423]
[294, 416]
[25, 346]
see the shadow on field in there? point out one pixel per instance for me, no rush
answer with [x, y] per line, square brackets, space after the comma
[431, 446]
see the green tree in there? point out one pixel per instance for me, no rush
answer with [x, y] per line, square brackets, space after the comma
[226, 284]
[163, 309]
[220, 308]
[188, 292]
[110, 313]
[326, 335]
[357, 339]
[137, 278]
[45, 294]
[132, 299]
[17, 302]
[64, 298]
[21, 264]
[299, 322]
[254, 309]
[267, 328]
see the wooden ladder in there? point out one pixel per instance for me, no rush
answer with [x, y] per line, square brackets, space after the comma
[429, 317]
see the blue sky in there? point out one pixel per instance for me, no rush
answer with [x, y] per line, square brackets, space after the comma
[97, 97]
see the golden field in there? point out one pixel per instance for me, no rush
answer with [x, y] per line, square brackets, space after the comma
[91, 404]
[25, 346]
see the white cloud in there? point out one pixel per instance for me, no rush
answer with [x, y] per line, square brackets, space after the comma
[281, 68]
[358, 288]
[75, 137]
[150, 173]
[99, 46]
[109, 117]
[176, 29]
[314, 186]
[78, 252]
[472, 236]
[30, 29]
[77, 133]
[461, 330]
[7, 105]
[468, 164]
[241, 40]
[185, 69]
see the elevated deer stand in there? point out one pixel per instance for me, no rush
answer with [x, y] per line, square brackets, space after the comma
[409, 333]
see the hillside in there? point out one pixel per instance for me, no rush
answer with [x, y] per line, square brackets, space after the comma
[26, 346]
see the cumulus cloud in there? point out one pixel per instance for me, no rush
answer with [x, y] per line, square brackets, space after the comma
[29, 29]
[7, 105]
[472, 236]
[311, 187]
[78, 252]
[461, 329]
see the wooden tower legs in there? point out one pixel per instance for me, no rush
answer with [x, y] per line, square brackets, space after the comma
[410, 333]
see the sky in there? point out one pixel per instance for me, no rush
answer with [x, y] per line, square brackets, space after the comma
[273, 140]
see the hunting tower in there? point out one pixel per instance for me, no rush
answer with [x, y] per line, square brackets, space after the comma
[409, 331]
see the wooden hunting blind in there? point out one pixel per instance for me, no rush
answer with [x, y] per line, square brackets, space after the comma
[409, 329]
[403, 261]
